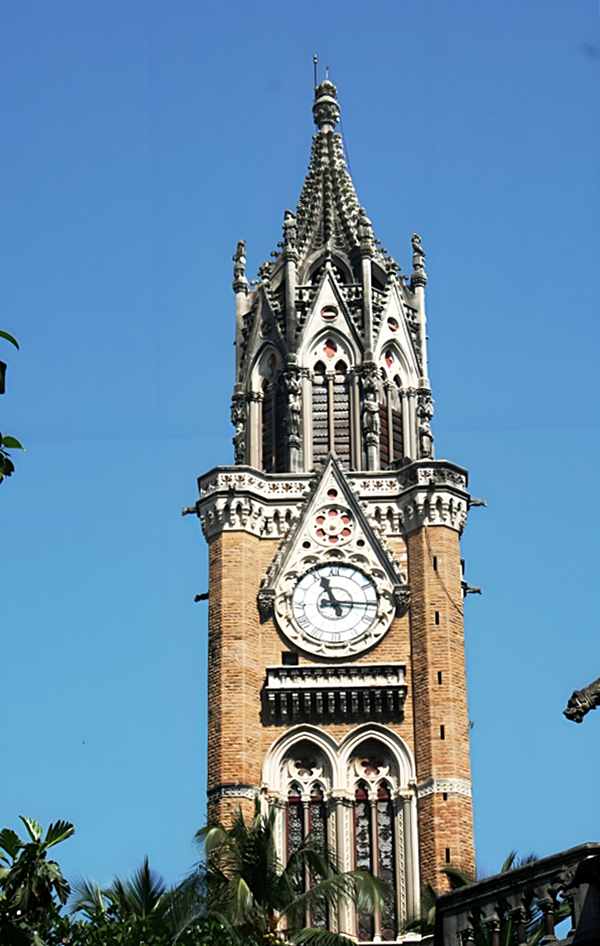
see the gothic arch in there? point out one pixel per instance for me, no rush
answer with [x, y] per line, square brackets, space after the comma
[404, 763]
[274, 779]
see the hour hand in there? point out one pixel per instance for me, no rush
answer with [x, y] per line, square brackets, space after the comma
[325, 585]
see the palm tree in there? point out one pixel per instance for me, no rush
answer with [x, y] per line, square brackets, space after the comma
[255, 897]
[143, 909]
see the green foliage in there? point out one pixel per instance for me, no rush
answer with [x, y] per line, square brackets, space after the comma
[7, 443]
[253, 895]
[30, 884]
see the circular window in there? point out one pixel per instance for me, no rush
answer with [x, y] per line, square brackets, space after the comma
[329, 313]
[393, 324]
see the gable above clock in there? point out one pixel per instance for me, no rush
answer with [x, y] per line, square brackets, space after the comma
[333, 586]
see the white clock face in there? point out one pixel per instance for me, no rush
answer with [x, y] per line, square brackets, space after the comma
[334, 605]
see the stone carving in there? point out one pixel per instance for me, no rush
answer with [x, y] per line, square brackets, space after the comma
[239, 416]
[583, 701]
[326, 110]
[370, 412]
[240, 283]
[419, 276]
[289, 230]
[232, 791]
[432, 786]
[292, 380]
[425, 413]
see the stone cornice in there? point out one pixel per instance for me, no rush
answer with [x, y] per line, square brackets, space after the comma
[424, 492]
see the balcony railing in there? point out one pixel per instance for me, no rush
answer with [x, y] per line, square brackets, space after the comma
[515, 906]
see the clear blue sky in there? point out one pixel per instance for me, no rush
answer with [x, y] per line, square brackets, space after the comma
[139, 141]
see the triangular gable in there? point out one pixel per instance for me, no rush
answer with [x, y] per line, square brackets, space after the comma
[322, 534]
[329, 293]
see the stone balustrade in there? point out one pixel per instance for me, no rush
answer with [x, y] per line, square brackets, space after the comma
[528, 899]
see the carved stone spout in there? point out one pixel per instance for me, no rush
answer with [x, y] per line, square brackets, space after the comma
[583, 701]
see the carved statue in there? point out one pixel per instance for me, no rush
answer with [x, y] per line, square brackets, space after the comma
[425, 413]
[418, 252]
[293, 387]
[419, 276]
[239, 413]
[289, 229]
[583, 701]
[239, 261]
[371, 419]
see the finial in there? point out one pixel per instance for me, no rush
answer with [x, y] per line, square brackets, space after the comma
[326, 109]
[315, 61]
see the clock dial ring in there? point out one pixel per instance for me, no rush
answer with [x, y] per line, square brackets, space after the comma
[335, 608]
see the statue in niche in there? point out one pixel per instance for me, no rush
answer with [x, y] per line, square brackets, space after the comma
[238, 419]
[293, 386]
[371, 418]
[583, 701]
[425, 413]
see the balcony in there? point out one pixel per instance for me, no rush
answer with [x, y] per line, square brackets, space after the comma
[511, 907]
[314, 693]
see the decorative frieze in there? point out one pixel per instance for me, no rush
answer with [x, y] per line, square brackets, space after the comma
[397, 501]
[232, 790]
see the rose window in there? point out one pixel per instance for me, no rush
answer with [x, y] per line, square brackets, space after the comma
[333, 525]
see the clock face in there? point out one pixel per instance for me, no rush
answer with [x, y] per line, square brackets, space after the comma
[334, 605]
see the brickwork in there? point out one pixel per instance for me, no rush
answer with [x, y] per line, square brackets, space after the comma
[440, 699]
[429, 641]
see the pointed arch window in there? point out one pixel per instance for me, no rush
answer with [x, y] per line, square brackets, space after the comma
[374, 840]
[331, 413]
[391, 441]
[273, 428]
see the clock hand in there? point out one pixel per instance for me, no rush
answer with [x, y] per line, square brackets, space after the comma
[333, 601]
[351, 604]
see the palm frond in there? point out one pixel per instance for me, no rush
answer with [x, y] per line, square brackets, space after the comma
[88, 898]
[57, 832]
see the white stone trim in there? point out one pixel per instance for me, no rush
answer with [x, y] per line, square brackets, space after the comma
[232, 791]
[453, 786]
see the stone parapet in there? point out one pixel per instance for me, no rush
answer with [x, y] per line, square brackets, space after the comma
[424, 492]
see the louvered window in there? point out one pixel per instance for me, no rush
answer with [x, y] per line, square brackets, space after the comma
[320, 425]
[331, 413]
[341, 414]
[391, 445]
[273, 429]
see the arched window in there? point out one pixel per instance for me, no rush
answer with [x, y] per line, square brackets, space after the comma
[273, 428]
[364, 851]
[391, 443]
[331, 411]
[341, 414]
[295, 820]
[375, 837]
[320, 424]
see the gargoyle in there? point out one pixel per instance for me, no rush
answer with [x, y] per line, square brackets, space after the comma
[583, 701]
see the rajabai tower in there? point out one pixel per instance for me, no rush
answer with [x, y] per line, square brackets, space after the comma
[337, 686]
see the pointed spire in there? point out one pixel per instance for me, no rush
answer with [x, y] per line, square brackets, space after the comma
[328, 215]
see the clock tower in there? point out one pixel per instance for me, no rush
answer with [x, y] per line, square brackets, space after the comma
[337, 688]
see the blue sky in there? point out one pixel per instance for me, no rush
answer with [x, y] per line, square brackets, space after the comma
[140, 141]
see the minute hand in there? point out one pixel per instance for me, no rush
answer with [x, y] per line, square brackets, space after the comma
[352, 604]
